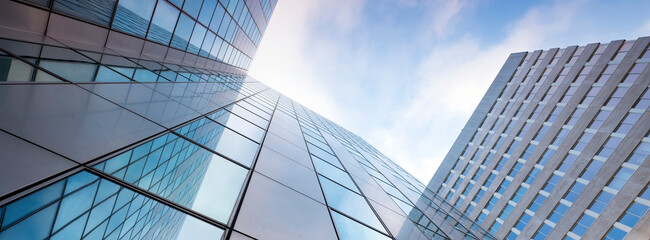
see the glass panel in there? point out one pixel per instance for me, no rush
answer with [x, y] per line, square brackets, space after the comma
[14, 70]
[197, 39]
[182, 172]
[216, 18]
[207, 44]
[206, 11]
[107, 211]
[350, 229]
[238, 124]
[192, 7]
[108, 75]
[349, 203]
[99, 12]
[163, 22]
[71, 71]
[132, 16]
[220, 139]
[334, 174]
[183, 30]
[273, 211]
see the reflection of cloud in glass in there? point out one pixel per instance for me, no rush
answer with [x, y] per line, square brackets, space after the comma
[87, 206]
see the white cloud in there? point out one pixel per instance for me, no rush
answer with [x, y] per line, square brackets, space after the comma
[437, 94]
[452, 80]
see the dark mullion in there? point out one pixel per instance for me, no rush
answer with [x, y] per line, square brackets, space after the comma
[240, 200]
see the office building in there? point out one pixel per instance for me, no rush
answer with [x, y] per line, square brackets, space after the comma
[558, 147]
[134, 119]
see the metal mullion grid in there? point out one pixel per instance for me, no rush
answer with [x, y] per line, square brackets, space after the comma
[240, 200]
[317, 178]
[610, 82]
[509, 140]
[197, 21]
[88, 167]
[552, 102]
[530, 133]
[562, 154]
[388, 233]
[515, 80]
[51, 10]
[578, 127]
[537, 74]
[64, 46]
[415, 207]
[180, 9]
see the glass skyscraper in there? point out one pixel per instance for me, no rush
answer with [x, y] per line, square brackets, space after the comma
[558, 147]
[134, 119]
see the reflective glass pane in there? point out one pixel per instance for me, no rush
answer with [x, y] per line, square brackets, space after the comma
[132, 16]
[197, 39]
[238, 124]
[100, 209]
[182, 33]
[352, 230]
[206, 11]
[105, 74]
[163, 22]
[99, 12]
[71, 71]
[335, 174]
[14, 70]
[222, 140]
[182, 172]
[349, 203]
[192, 7]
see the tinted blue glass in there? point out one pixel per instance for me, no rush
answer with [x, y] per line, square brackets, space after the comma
[207, 44]
[238, 124]
[222, 140]
[81, 213]
[182, 33]
[105, 74]
[352, 230]
[197, 39]
[34, 227]
[349, 203]
[30, 203]
[132, 16]
[616, 233]
[207, 11]
[192, 7]
[73, 231]
[178, 3]
[71, 71]
[335, 174]
[96, 11]
[163, 22]
[217, 18]
[182, 172]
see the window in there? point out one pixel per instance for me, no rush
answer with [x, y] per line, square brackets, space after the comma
[197, 39]
[583, 141]
[132, 16]
[100, 13]
[163, 22]
[182, 33]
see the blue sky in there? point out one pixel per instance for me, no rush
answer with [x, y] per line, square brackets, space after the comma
[406, 75]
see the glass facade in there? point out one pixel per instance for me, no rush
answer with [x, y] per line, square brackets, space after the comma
[570, 129]
[135, 120]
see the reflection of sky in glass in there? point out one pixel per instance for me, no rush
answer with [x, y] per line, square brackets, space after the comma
[349, 203]
[87, 206]
[163, 22]
[348, 229]
[182, 172]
